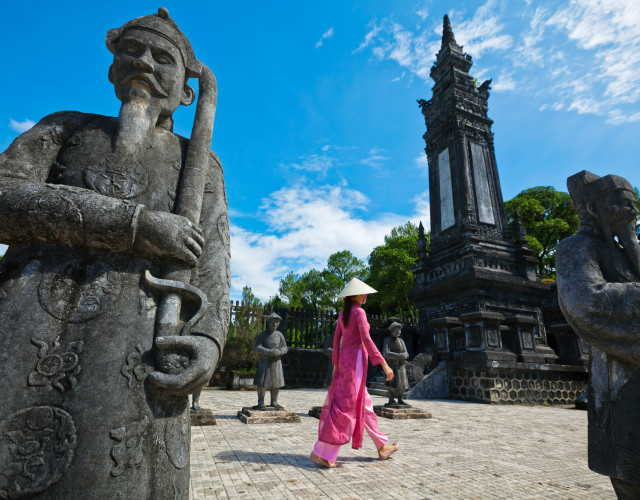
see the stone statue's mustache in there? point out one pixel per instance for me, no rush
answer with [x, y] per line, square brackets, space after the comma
[148, 79]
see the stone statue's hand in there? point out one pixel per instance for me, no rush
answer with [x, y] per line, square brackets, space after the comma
[202, 357]
[169, 235]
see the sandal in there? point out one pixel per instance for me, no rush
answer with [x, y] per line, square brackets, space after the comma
[383, 455]
[321, 461]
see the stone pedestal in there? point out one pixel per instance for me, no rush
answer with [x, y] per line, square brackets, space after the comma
[400, 412]
[202, 416]
[315, 411]
[250, 415]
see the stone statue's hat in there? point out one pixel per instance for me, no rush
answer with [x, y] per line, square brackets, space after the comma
[394, 325]
[273, 315]
[160, 24]
[356, 287]
[585, 187]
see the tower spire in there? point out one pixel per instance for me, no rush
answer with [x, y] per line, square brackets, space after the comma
[447, 32]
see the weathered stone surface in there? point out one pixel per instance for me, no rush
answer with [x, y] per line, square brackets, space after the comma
[516, 383]
[270, 348]
[202, 416]
[598, 275]
[250, 415]
[395, 353]
[315, 411]
[118, 234]
[434, 384]
[401, 413]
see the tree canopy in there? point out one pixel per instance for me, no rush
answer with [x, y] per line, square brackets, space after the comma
[318, 289]
[391, 271]
[548, 217]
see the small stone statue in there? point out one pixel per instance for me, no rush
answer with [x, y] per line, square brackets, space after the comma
[270, 347]
[598, 275]
[195, 400]
[328, 352]
[111, 222]
[395, 352]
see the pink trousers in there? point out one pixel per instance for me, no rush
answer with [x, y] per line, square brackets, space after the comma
[330, 451]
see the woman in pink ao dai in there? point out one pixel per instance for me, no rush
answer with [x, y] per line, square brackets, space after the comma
[348, 409]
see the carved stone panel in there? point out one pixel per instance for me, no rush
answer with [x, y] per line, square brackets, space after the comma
[37, 444]
[117, 178]
[57, 365]
[493, 336]
[447, 217]
[77, 292]
[128, 451]
[481, 181]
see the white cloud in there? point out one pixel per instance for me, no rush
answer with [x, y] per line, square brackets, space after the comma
[369, 37]
[305, 226]
[581, 56]
[316, 162]
[505, 82]
[415, 50]
[398, 78]
[422, 12]
[327, 34]
[606, 32]
[21, 126]
[422, 163]
[375, 158]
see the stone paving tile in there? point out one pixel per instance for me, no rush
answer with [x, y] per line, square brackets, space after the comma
[466, 451]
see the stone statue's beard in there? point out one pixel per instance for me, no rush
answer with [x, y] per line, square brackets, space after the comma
[136, 120]
[628, 240]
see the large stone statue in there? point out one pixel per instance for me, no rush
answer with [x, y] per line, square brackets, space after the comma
[598, 274]
[270, 347]
[395, 353]
[118, 239]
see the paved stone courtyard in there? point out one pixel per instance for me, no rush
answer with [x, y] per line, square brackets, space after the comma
[466, 451]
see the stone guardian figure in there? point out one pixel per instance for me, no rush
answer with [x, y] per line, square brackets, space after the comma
[395, 353]
[114, 289]
[598, 275]
[270, 348]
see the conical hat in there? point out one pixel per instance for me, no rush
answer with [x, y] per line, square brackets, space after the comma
[356, 287]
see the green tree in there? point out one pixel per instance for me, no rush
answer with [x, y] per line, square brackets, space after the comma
[548, 217]
[291, 289]
[247, 325]
[318, 289]
[341, 268]
[391, 272]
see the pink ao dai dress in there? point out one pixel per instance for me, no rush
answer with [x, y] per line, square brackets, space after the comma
[348, 409]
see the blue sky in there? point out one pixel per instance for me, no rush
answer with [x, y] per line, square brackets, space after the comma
[317, 125]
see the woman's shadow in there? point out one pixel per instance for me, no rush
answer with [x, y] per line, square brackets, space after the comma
[290, 459]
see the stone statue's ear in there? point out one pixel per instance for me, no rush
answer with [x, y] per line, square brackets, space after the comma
[111, 74]
[591, 209]
[188, 95]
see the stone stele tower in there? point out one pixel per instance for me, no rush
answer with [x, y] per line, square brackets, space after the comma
[477, 292]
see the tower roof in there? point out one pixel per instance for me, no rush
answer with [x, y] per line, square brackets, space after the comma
[448, 38]
[447, 32]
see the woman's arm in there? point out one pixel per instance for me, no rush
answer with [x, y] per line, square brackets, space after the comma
[372, 350]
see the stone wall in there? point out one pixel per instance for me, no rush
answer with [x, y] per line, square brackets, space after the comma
[304, 367]
[517, 383]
